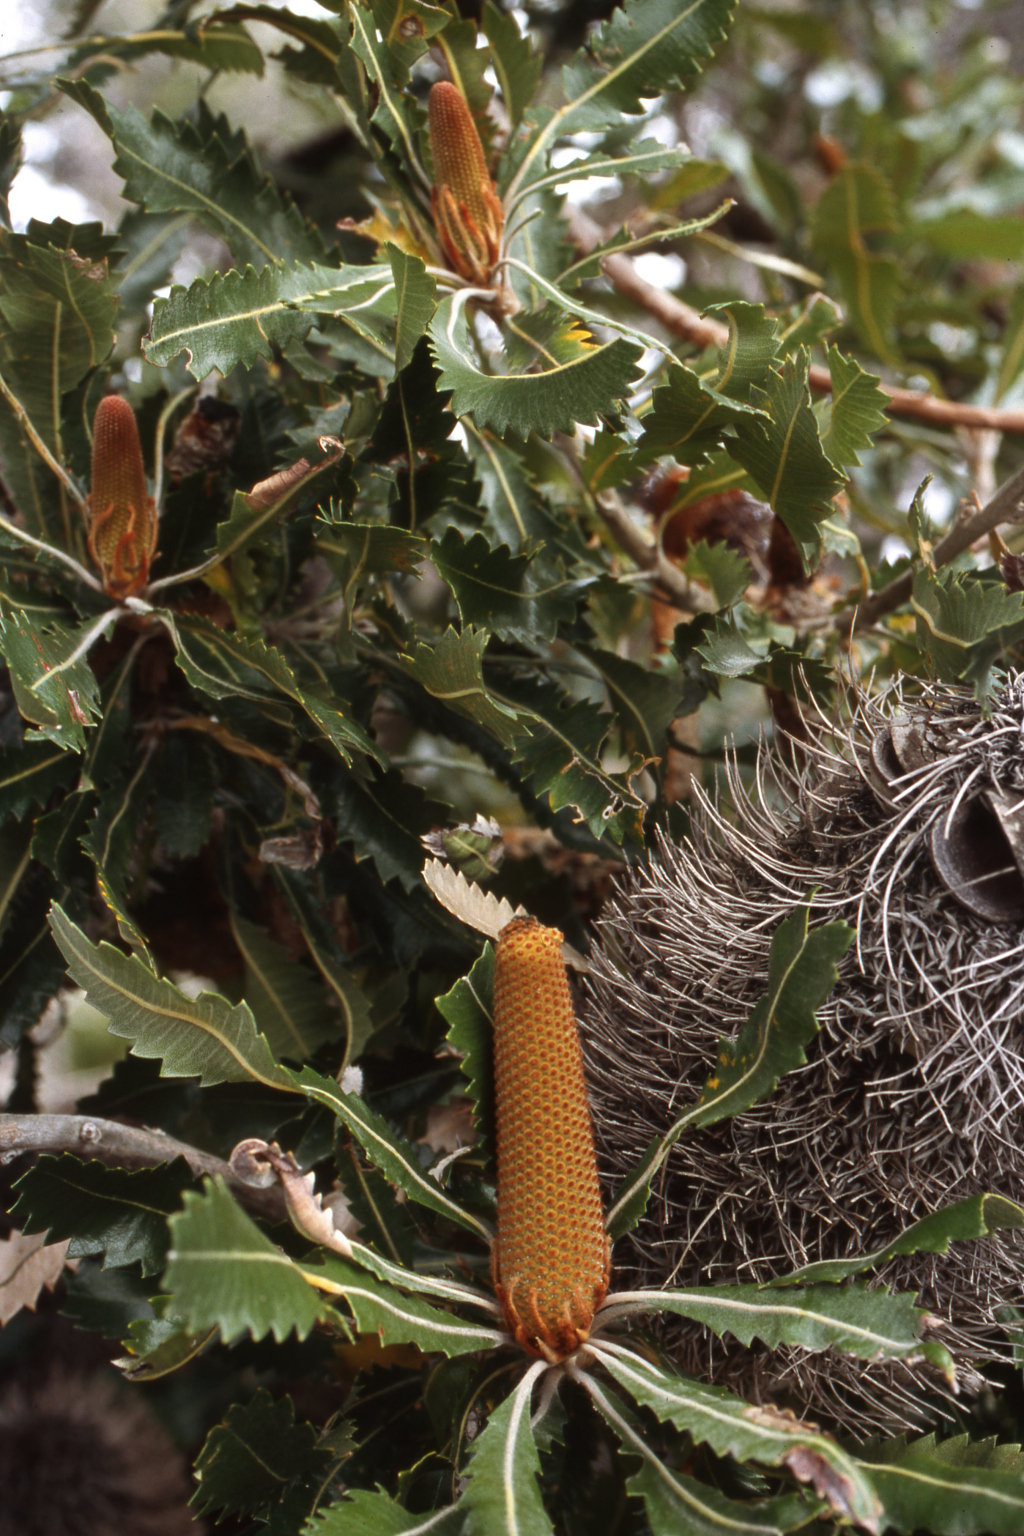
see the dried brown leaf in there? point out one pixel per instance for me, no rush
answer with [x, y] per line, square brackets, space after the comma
[27, 1265]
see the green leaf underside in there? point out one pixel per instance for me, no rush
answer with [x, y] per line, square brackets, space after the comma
[376, 1514]
[224, 1273]
[712, 1415]
[503, 1497]
[395, 1159]
[866, 1323]
[801, 973]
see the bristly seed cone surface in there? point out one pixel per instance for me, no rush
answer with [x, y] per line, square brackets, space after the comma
[467, 213]
[550, 1259]
[911, 824]
[122, 530]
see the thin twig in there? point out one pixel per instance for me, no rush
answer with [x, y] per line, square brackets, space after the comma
[127, 1146]
[38, 444]
[682, 321]
[1003, 508]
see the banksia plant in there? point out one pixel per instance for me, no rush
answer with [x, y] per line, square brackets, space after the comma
[467, 214]
[122, 520]
[550, 1258]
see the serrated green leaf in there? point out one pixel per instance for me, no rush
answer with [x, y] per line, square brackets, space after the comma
[718, 566]
[387, 57]
[687, 418]
[29, 773]
[502, 1496]
[498, 590]
[114, 1211]
[678, 1505]
[553, 400]
[204, 169]
[966, 233]
[395, 1318]
[924, 1486]
[415, 292]
[330, 960]
[237, 317]
[248, 1461]
[748, 355]
[646, 47]
[562, 758]
[60, 697]
[205, 1037]
[224, 665]
[801, 974]
[361, 1513]
[322, 40]
[223, 1273]
[856, 413]
[783, 453]
[516, 63]
[467, 1011]
[396, 1159]
[869, 1324]
[159, 1344]
[963, 623]
[384, 818]
[713, 1416]
[645, 700]
[977, 1216]
[859, 202]
[288, 1001]
[452, 671]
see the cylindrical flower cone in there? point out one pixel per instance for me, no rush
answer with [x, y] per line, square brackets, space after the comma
[550, 1261]
[122, 517]
[467, 213]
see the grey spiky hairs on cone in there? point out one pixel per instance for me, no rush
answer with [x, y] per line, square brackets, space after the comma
[910, 824]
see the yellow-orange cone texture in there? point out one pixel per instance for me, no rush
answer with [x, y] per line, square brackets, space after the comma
[467, 213]
[550, 1258]
[122, 518]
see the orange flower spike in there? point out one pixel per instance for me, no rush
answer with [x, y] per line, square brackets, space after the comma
[550, 1260]
[467, 213]
[122, 523]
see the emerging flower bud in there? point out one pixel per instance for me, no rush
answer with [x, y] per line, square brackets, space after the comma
[121, 515]
[550, 1261]
[467, 212]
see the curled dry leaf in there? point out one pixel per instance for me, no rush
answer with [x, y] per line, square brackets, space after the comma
[267, 493]
[253, 1159]
[27, 1265]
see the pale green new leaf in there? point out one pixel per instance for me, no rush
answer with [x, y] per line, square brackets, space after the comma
[177, 167]
[977, 1216]
[222, 1272]
[396, 1159]
[961, 623]
[502, 1497]
[237, 317]
[553, 400]
[398, 1319]
[452, 671]
[949, 1489]
[731, 1427]
[514, 59]
[801, 974]
[870, 1324]
[414, 302]
[203, 1037]
[857, 411]
[721, 568]
[781, 450]
[361, 1513]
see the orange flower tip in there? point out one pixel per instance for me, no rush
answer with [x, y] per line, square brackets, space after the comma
[467, 212]
[550, 1261]
[121, 515]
